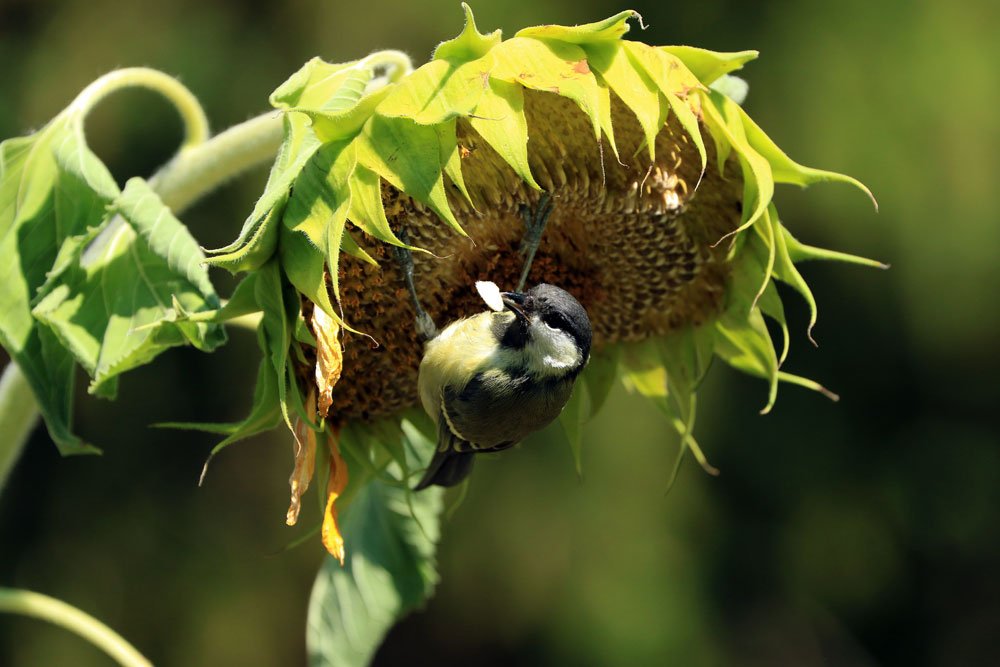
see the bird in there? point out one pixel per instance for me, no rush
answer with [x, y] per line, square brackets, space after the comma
[492, 379]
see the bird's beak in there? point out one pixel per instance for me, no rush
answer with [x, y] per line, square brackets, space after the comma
[515, 301]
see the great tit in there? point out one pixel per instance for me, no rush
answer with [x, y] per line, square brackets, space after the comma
[492, 379]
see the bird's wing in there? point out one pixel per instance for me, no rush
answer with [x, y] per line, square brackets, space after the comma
[450, 438]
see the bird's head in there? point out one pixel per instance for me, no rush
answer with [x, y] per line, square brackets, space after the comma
[550, 328]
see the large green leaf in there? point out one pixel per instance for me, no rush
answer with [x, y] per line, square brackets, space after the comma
[388, 570]
[114, 308]
[53, 195]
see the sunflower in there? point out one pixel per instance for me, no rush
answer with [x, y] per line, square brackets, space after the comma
[663, 226]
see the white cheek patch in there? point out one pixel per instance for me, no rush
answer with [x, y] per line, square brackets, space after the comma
[550, 351]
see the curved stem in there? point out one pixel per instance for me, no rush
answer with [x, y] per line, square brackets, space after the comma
[187, 105]
[59, 613]
[399, 62]
[198, 170]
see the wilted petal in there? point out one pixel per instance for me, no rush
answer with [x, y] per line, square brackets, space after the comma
[305, 460]
[329, 357]
[332, 539]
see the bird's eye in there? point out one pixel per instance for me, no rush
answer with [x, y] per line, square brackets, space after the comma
[557, 320]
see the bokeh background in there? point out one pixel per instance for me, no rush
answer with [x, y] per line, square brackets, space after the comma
[860, 533]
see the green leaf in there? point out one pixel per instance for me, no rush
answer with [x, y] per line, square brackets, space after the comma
[280, 311]
[254, 247]
[470, 44]
[552, 67]
[725, 116]
[113, 309]
[451, 157]
[439, 91]
[389, 570]
[53, 196]
[336, 126]
[800, 252]
[710, 65]
[499, 120]
[687, 353]
[609, 29]
[251, 245]
[367, 210]
[783, 168]
[314, 222]
[319, 83]
[408, 156]
[643, 370]
[786, 271]
[632, 86]
[674, 81]
[745, 344]
[332, 92]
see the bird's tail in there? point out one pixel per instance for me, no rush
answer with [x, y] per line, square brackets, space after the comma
[447, 468]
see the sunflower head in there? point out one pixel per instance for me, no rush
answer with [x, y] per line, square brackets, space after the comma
[663, 225]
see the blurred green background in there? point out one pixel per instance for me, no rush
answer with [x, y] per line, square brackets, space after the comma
[859, 533]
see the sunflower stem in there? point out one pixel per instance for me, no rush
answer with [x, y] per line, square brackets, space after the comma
[43, 607]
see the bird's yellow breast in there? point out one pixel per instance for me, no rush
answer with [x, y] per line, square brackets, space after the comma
[463, 349]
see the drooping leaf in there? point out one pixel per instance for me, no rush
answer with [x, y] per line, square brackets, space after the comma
[324, 89]
[367, 210]
[633, 86]
[408, 156]
[314, 221]
[329, 358]
[439, 91]
[599, 375]
[388, 568]
[724, 116]
[53, 196]
[280, 311]
[675, 83]
[113, 309]
[553, 67]
[336, 483]
[499, 120]
[746, 345]
[304, 453]
[783, 168]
